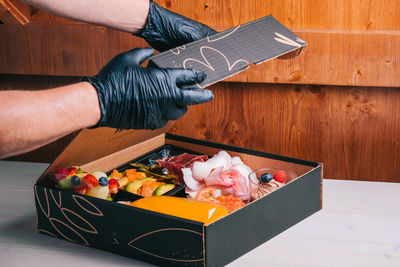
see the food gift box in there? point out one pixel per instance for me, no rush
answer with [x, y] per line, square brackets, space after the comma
[169, 240]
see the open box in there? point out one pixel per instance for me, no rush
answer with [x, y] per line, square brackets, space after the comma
[168, 240]
[162, 239]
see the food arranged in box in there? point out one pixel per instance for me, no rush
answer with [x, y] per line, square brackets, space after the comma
[226, 183]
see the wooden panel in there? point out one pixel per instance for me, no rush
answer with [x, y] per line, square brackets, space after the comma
[354, 131]
[350, 42]
[68, 50]
[338, 14]
[311, 14]
[335, 57]
[14, 12]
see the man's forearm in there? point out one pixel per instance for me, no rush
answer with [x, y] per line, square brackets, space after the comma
[30, 119]
[124, 15]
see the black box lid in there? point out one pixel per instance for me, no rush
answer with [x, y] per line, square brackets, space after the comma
[229, 52]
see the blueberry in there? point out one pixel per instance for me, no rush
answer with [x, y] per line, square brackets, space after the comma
[103, 181]
[165, 171]
[266, 177]
[75, 180]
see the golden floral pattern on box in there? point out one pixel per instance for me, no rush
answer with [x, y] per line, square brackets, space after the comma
[180, 255]
[66, 219]
[68, 228]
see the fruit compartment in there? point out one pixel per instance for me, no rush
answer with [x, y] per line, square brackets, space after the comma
[149, 158]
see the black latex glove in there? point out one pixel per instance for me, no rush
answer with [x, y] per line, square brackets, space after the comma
[135, 97]
[165, 29]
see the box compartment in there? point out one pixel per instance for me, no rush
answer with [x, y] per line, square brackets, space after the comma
[158, 153]
[172, 241]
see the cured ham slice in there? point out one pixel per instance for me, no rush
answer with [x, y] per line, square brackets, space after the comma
[175, 164]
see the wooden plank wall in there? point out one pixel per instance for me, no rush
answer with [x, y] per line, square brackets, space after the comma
[344, 38]
[354, 131]
[338, 103]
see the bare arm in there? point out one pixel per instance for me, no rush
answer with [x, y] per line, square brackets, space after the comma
[30, 119]
[125, 15]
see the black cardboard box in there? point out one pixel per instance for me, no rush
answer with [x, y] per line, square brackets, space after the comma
[167, 240]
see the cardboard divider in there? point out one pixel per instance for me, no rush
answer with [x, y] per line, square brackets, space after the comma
[116, 159]
[90, 145]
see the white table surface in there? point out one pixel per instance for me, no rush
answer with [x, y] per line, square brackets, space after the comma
[358, 226]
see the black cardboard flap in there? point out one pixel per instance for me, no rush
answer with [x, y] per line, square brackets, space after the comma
[227, 53]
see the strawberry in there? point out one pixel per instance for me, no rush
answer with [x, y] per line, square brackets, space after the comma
[113, 181]
[61, 174]
[90, 180]
[81, 189]
[113, 186]
[72, 171]
[280, 176]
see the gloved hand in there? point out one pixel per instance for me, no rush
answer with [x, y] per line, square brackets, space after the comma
[165, 29]
[135, 97]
